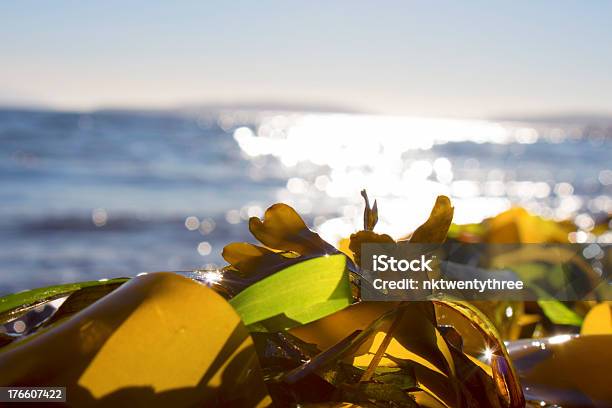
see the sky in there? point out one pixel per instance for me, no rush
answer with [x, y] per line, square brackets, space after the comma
[431, 58]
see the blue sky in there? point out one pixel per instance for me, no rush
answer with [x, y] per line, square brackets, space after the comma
[423, 58]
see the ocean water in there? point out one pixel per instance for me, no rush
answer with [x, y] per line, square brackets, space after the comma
[106, 194]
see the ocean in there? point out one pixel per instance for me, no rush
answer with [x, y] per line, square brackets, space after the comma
[105, 194]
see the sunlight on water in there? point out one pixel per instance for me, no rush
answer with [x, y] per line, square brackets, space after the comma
[404, 163]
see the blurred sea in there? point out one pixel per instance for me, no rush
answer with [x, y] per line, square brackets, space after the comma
[114, 193]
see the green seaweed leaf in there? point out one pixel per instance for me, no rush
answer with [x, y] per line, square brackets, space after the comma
[558, 313]
[16, 303]
[555, 310]
[296, 295]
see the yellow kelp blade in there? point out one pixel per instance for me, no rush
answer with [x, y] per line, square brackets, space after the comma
[282, 228]
[598, 320]
[158, 340]
[435, 229]
[517, 225]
